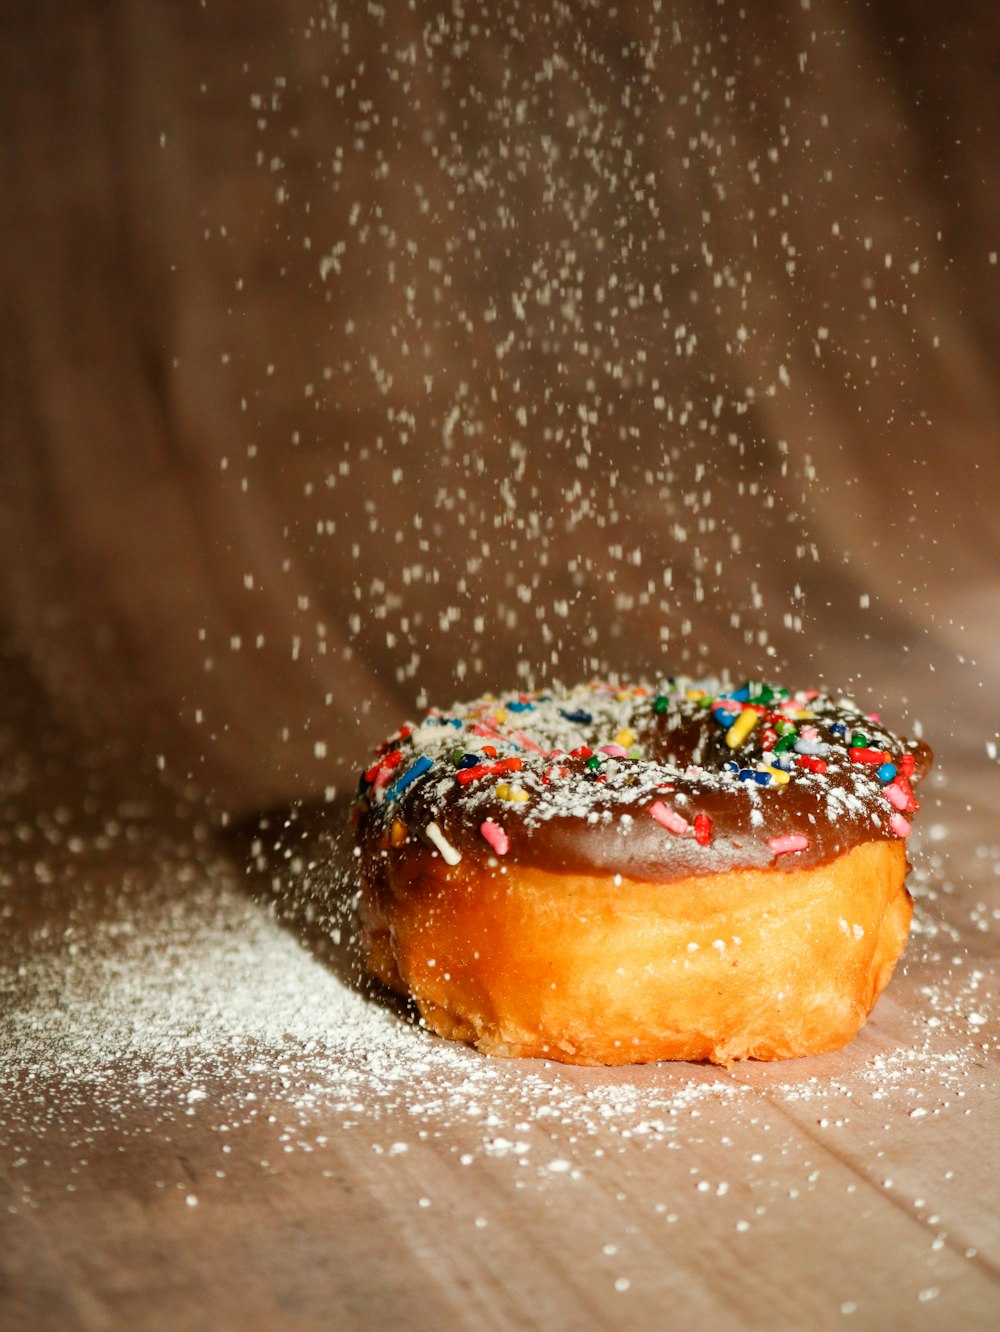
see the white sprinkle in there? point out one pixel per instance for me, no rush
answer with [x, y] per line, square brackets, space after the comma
[448, 853]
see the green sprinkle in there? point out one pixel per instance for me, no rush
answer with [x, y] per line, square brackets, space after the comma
[784, 744]
[593, 763]
[859, 741]
[785, 727]
[661, 703]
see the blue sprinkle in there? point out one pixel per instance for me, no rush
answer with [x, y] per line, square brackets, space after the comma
[742, 695]
[522, 707]
[580, 717]
[410, 775]
[468, 760]
[725, 719]
[885, 772]
[456, 722]
[755, 775]
[838, 728]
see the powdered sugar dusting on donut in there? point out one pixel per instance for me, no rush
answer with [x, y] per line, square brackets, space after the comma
[653, 780]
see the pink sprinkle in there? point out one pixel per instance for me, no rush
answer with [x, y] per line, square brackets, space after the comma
[896, 797]
[789, 842]
[496, 837]
[873, 716]
[669, 818]
[900, 826]
[615, 751]
[809, 733]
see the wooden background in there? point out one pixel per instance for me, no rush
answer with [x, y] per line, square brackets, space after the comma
[238, 496]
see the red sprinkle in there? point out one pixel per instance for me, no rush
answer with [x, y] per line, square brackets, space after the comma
[702, 829]
[810, 763]
[907, 762]
[869, 755]
[383, 764]
[466, 775]
[768, 738]
[581, 752]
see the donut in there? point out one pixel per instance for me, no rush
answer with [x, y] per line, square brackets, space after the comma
[616, 874]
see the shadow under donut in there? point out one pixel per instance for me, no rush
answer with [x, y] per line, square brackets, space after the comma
[299, 866]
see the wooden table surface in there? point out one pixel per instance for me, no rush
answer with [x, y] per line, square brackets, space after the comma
[204, 1124]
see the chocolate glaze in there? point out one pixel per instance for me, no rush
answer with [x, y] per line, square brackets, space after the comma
[590, 813]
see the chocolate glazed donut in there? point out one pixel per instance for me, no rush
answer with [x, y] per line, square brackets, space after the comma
[619, 874]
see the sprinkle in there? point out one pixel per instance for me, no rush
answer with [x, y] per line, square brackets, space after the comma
[900, 796]
[448, 853]
[496, 836]
[861, 754]
[702, 829]
[788, 842]
[381, 768]
[397, 833]
[580, 717]
[786, 742]
[660, 704]
[625, 737]
[466, 775]
[811, 764]
[858, 740]
[515, 793]
[755, 775]
[741, 728]
[900, 826]
[468, 760]
[422, 765]
[777, 775]
[838, 728]
[669, 818]
[907, 762]
[886, 772]
[614, 751]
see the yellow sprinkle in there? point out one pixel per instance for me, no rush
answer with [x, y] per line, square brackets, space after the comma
[694, 694]
[507, 792]
[625, 737]
[803, 714]
[741, 727]
[778, 775]
[500, 717]
[397, 833]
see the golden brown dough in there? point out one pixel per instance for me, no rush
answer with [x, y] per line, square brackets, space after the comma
[745, 964]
